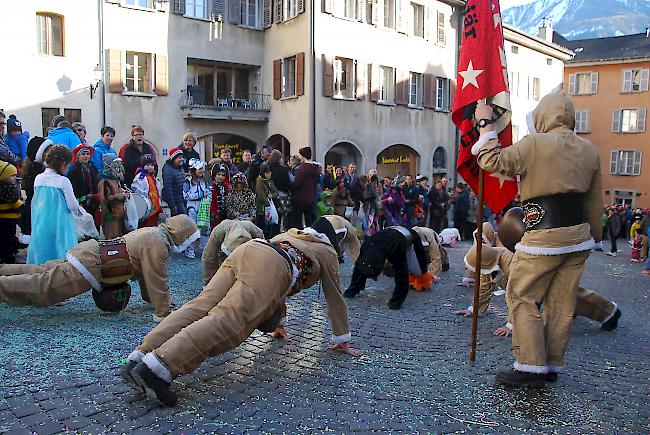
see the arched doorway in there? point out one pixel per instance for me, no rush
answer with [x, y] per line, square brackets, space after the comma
[236, 143]
[398, 159]
[281, 143]
[439, 163]
[342, 154]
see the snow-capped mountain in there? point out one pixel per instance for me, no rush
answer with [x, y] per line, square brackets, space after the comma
[581, 19]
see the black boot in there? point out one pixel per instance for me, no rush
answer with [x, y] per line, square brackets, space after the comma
[125, 374]
[350, 293]
[611, 323]
[154, 387]
[510, 376]
[551, 377]
[394, 305]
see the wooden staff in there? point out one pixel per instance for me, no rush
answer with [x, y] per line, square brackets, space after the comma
[477, 271]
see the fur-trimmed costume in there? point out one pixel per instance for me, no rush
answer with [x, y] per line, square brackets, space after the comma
[239, 298]
[558, 170]
[57, 280]
[346, 234]
[399, 246]
[225, 237]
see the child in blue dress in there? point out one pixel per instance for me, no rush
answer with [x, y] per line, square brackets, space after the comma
[54, 208]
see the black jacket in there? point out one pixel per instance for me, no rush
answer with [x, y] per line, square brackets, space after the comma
[188, 155]
[280, 177]
[132, 157]
[461, 204]
[84, 185]
[615, 225]
[436, 198]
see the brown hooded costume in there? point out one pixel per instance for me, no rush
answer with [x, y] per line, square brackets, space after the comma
[561, 191]
[149, 250]
[430, 242]
[346, 234]
[239, 298]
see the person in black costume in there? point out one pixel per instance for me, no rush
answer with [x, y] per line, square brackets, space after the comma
[399, 246]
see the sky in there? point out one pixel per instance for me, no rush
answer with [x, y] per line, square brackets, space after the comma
[505, 4]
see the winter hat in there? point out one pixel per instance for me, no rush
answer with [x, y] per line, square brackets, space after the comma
[13, 124]
[78, 149]
[239, 178]
[40, 153]
[6, 170]
[182, 230]
[147, 159]
[56, 120]
[137, 128]
[489, 259]
[219, 167]
[236, 235]
[175, 152]
[111, 166]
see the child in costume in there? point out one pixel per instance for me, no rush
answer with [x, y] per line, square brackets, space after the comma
[220, 190]
[240, 204]
[16, 138]
[324, 206]
[112, 197]
[54, 208]
[147, 185]
[33, 166]
[636, 244]
[10, 205]
[195, 188]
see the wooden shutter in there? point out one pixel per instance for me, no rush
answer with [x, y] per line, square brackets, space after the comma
[627, 81]
[277, 11]
[115, 81]
[178, 7]
[328, 75]
[217, 10]
[401, 88]
[328, 6]
[585, 116]
[452, 93]
[572, 84]
[637, 163]
[277, 79]
[234, 11]
[162, 77]
[360, 76]
[640, 121]
[644, 79]
[428, 81]
[300, 74]
[371, 11]
[428, 24]
[378, 12]
[441, 37]
[594, 83]
[301, 6]
[373, 81]
[267, 18]
[399, 16]
[616, 121]
[361, 10]
[613, 162]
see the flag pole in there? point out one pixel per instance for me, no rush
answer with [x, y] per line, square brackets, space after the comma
[477, 271]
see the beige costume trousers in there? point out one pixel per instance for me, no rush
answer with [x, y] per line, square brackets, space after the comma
[44, 286]
[235, 301]
[540, 340]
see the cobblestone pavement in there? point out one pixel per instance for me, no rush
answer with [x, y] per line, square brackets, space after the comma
[59, 368]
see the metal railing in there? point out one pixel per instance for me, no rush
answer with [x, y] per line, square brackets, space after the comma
[194, 98]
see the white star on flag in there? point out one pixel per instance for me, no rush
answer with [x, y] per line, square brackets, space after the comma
[502, 178]
[497, 19]
[502, 55]
[469, 75]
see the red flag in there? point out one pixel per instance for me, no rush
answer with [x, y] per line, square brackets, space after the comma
[482, 73]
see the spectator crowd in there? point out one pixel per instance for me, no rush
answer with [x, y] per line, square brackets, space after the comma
[66, 179]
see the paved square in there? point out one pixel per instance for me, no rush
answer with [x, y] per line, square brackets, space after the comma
[59, 367]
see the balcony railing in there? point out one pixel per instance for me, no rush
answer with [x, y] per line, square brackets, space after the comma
[194, 106]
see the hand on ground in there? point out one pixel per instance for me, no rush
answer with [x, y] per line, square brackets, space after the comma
[280, 333]
[465, 313]
[503, 332]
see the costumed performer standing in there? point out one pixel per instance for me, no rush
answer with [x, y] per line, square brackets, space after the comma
[400, 246]
[561, 192]
[236, 301]
[84, 268]
[495, 271]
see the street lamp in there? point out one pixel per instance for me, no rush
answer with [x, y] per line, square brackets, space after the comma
[98, 74]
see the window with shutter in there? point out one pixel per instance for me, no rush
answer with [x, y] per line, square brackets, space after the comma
[373, 81]
[417, 11]
[328, 75]
[441, 37]
[349, 8]
[267, 19]
[289, 76]
[196, 9]
[415, 90]
[644, 79]
[386, 84]
[627, 81]
[442, 94]
[250, 13]
[635, 80]
[641, 121]
[630, 121]
[427, 91]
[371, 11]
[300, 74]
[344, 82]
[178, 7]
[594, 83]
[301, 6]
[428, 23]
[49, 34]
[399, 16]
[361, 10]
[613, 162]
[637, 163]
[389, 13]
[277, 79]
[217, 10]
[616, 121]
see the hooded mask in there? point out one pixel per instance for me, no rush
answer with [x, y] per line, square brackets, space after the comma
[554, 110]
[237, 235]
[182, 231]
[239, 178]
[112, 167]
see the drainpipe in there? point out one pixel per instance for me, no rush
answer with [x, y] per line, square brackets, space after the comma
[102, 64]
[312, 91]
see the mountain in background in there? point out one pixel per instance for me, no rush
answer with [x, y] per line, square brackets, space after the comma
[582, 19]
